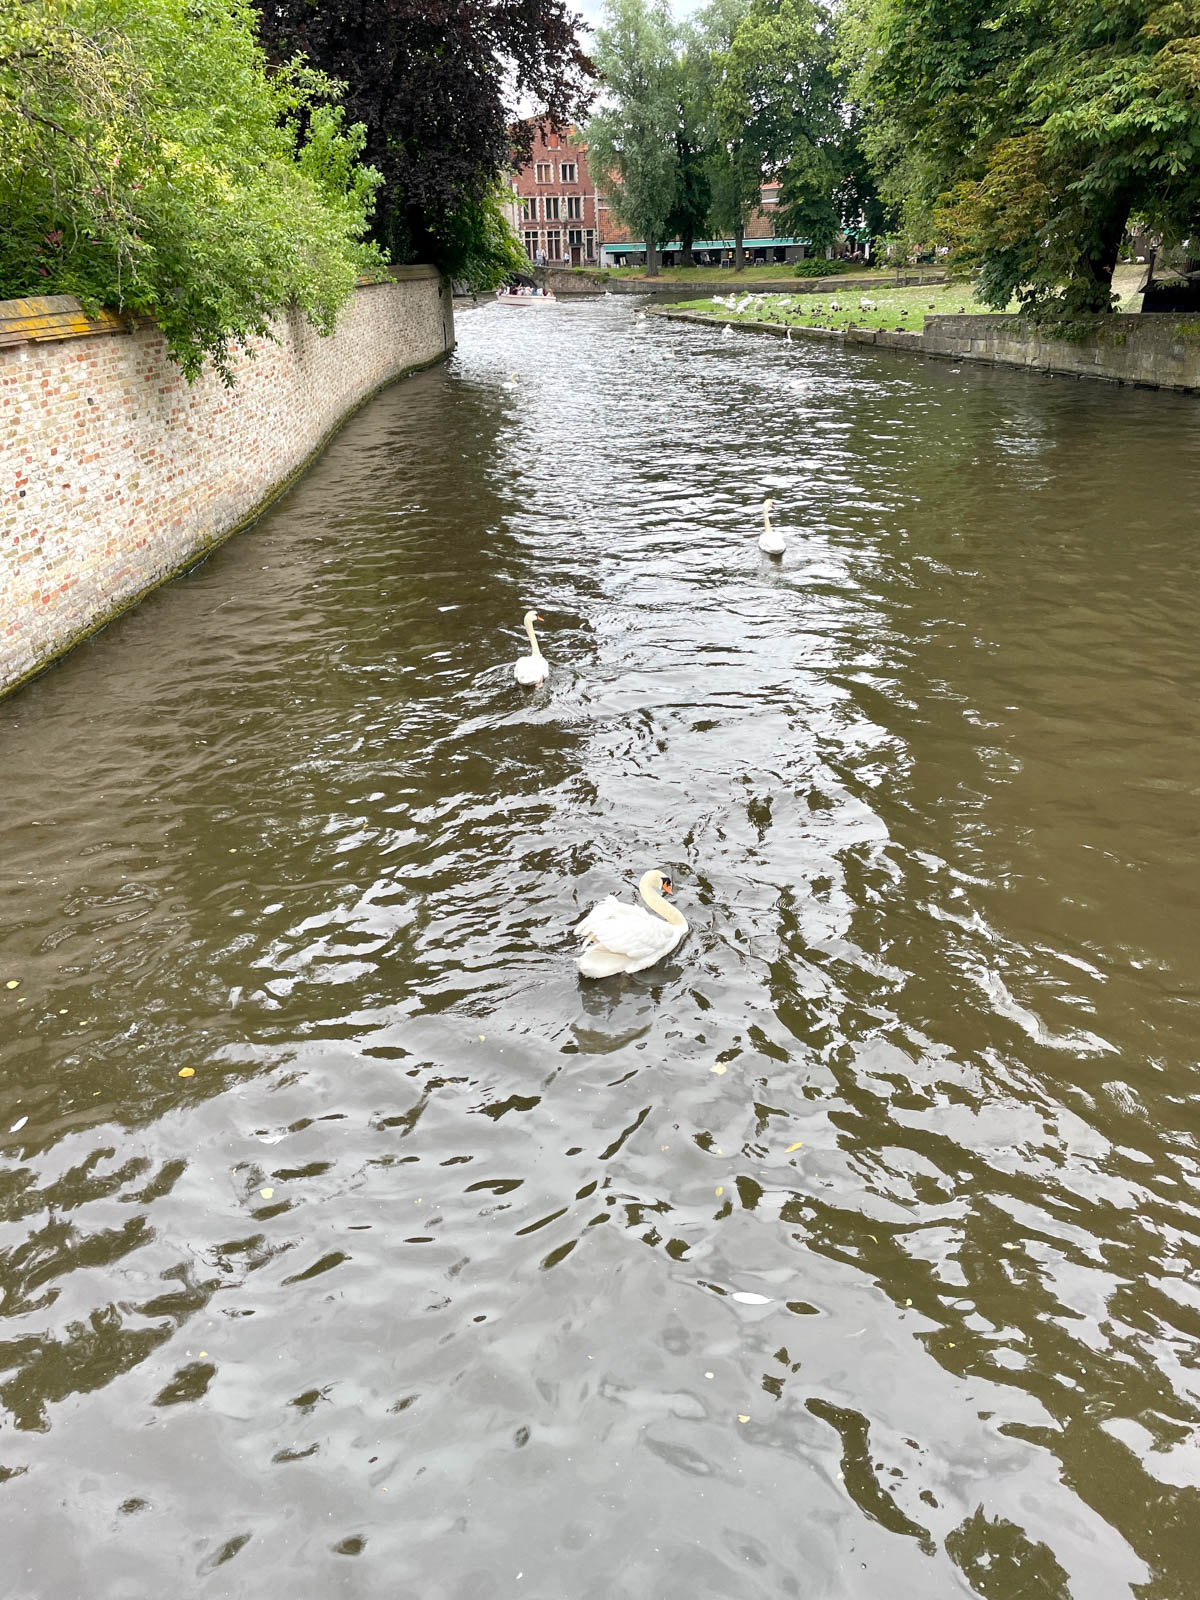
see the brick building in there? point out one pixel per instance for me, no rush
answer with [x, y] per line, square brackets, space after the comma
[561, 217]
[764, 244]
[555, 206]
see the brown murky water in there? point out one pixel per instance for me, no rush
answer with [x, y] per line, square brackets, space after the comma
[854, 1251]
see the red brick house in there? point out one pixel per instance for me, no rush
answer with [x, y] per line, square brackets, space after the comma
[555, 204]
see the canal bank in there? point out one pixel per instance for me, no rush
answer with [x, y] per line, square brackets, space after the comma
[117, 475]
[1155, 352]
[570, 281]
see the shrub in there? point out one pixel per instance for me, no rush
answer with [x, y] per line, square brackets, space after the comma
[150, 162]
[818, 267]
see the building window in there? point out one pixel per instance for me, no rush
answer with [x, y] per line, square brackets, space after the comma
[542, 170]
[529, 210]
[569, 172]
[575, 206]
[551, 208]
[531, 243]
[574, 235]
[553, 246]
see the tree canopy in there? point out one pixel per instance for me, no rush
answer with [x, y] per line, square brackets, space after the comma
[1029, 136]
[777, 95]
[633, 141]
[436, 84]
[697, 119]
[150, 161]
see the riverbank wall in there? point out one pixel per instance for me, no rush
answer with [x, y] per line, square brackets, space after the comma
[1149, 352]
[116, 474]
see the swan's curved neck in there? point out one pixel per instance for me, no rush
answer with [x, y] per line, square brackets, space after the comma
[533, 644]
[664, 908]
[766, 517]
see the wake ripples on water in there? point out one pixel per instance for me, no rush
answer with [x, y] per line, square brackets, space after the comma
[852, 1250]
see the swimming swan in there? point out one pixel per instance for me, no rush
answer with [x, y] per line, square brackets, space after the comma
[770, 540]
[624, 938]
[531, 670]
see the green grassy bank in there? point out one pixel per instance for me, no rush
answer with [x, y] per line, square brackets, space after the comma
[865, 305]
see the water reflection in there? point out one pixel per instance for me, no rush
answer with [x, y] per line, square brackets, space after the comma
[851, 1250]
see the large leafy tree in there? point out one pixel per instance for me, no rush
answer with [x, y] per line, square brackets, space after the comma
[734, 168]
[692, 202]
[632, 142]
[150, 161]
[1031, 134]
[437, 83]
[778, 115]
[783, 89]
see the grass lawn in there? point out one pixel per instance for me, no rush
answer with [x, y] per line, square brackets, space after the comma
[866, 305]
[781, 272]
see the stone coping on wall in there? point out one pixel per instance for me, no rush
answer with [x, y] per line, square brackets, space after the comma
[39, 319]
[1153, 352]
[53, 316]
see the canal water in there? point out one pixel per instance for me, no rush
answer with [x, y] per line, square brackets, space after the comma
[350, 1244]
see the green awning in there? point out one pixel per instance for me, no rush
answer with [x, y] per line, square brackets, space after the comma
[713, 244]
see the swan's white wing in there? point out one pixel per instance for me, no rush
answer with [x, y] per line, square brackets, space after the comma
[628, 930]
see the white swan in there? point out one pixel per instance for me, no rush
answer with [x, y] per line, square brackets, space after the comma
[770, 540]
[624, 938]
[531, 669]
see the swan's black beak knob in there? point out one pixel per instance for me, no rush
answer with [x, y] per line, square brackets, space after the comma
[666, 886]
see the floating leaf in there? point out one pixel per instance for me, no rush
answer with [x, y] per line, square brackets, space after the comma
[750, 1299]
[720, 1189]
[799, 1145]
[187, 1072]
[266, 1193]
[743, 1416]
[18, 1124]
[719, 1068]
[13, 983]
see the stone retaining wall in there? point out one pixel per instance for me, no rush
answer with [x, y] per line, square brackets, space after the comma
[115, 474]
[1155, 352]
[1161, 352]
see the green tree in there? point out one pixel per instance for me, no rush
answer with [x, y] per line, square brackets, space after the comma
[780, 89]
[150, 162]
[734, 170]
[1031, 135]
[632, 142]
[692, 201]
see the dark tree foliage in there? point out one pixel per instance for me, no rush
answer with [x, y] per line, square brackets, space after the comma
[434, 82]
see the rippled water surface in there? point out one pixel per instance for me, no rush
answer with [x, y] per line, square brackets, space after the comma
[851, 1252]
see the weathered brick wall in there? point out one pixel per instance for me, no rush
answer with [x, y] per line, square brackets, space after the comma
[115, 474]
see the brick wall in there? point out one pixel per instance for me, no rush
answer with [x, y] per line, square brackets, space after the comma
[115, 473]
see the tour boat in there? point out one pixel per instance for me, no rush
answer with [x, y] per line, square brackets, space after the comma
[505, 299]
